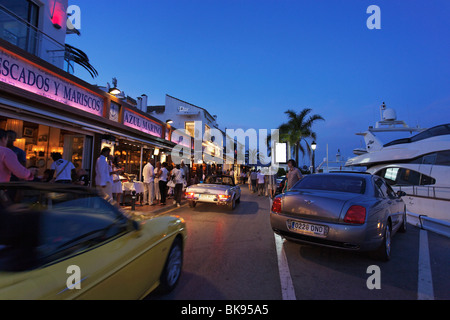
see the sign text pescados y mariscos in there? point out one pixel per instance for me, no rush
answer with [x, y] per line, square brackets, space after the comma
[18, 72]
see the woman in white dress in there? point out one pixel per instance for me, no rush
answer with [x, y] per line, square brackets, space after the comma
[156, 180]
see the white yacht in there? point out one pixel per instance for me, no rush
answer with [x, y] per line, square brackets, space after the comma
[418, 165]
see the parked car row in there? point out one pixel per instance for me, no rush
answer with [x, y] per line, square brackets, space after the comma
[54, 238]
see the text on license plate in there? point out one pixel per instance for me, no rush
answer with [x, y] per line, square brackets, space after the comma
[207, 196]
[307, 228]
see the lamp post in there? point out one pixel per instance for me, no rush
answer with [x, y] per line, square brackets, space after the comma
[313, 147]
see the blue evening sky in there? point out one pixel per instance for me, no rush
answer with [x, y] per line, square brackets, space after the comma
[250, 60]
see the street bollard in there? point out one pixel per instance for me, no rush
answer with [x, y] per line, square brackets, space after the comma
[133, 200]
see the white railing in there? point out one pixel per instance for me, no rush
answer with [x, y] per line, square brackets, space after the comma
[433, 192]
[24, 35]
[441, 227]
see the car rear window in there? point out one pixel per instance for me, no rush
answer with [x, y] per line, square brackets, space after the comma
[339, 183]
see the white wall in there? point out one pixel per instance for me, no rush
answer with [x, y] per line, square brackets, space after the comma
[50, 12]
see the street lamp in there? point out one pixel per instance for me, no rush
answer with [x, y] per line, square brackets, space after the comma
[313, 147]
[114, 90]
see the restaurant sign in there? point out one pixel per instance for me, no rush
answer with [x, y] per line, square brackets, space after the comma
[136, 121]
[18, 72]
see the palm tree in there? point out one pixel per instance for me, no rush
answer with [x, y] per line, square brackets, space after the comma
[298, 129]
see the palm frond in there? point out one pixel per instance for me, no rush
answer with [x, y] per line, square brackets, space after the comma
[80, 57]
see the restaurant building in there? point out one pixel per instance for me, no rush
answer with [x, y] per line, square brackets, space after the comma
[51, 110]
[196, 122]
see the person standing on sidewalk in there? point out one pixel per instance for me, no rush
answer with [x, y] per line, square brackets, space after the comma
[185, 170]
[9, 164]
[103, 180]
[292, 176]
[62, 169]
[149, 183]
[178, 176]
[272, 185]
[163, 183]
[157, 172]
[21, 156]
[254, 177]
[260, 178]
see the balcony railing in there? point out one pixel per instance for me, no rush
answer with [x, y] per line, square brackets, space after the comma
[29, 38]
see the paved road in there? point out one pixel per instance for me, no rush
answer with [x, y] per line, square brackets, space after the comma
[233, 256]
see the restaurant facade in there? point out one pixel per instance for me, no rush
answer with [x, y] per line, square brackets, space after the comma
[53, 111]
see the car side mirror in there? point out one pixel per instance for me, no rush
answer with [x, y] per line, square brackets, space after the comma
[401, 193]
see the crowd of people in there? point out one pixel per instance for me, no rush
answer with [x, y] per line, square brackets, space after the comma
[266, 184]
[159, 179]
[13, 165]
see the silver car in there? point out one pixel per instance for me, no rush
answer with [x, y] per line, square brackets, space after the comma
[219, 190]
[352, 211]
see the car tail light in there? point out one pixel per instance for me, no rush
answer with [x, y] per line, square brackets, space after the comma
[189, 194]
[223, 197]
[276, 205]
[355, 215]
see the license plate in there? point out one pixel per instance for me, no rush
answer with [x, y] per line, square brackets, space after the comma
[307, 228]
[207, 196]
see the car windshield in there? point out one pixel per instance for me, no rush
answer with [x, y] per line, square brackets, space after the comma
[220, 180]
[341, 183]
[43, 224]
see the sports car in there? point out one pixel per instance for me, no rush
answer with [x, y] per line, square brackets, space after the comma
[219, 190]
[351, 211]
[69, 242]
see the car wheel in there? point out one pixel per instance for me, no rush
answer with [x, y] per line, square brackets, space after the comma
[172, 269]
[232, 205]
[404, 222]
[238, 200]
[384, 251]
[192, 204]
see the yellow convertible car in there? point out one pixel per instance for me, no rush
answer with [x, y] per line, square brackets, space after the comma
[67, 242]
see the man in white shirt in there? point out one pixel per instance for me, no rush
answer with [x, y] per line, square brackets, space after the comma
[149, 185]
[103, 180]
[62, 169]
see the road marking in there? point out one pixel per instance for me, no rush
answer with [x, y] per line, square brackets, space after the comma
[287, 287]
[425, 283]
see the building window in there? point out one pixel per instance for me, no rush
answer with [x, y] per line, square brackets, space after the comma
[19, 20]
[405, 177]
[189, 126]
